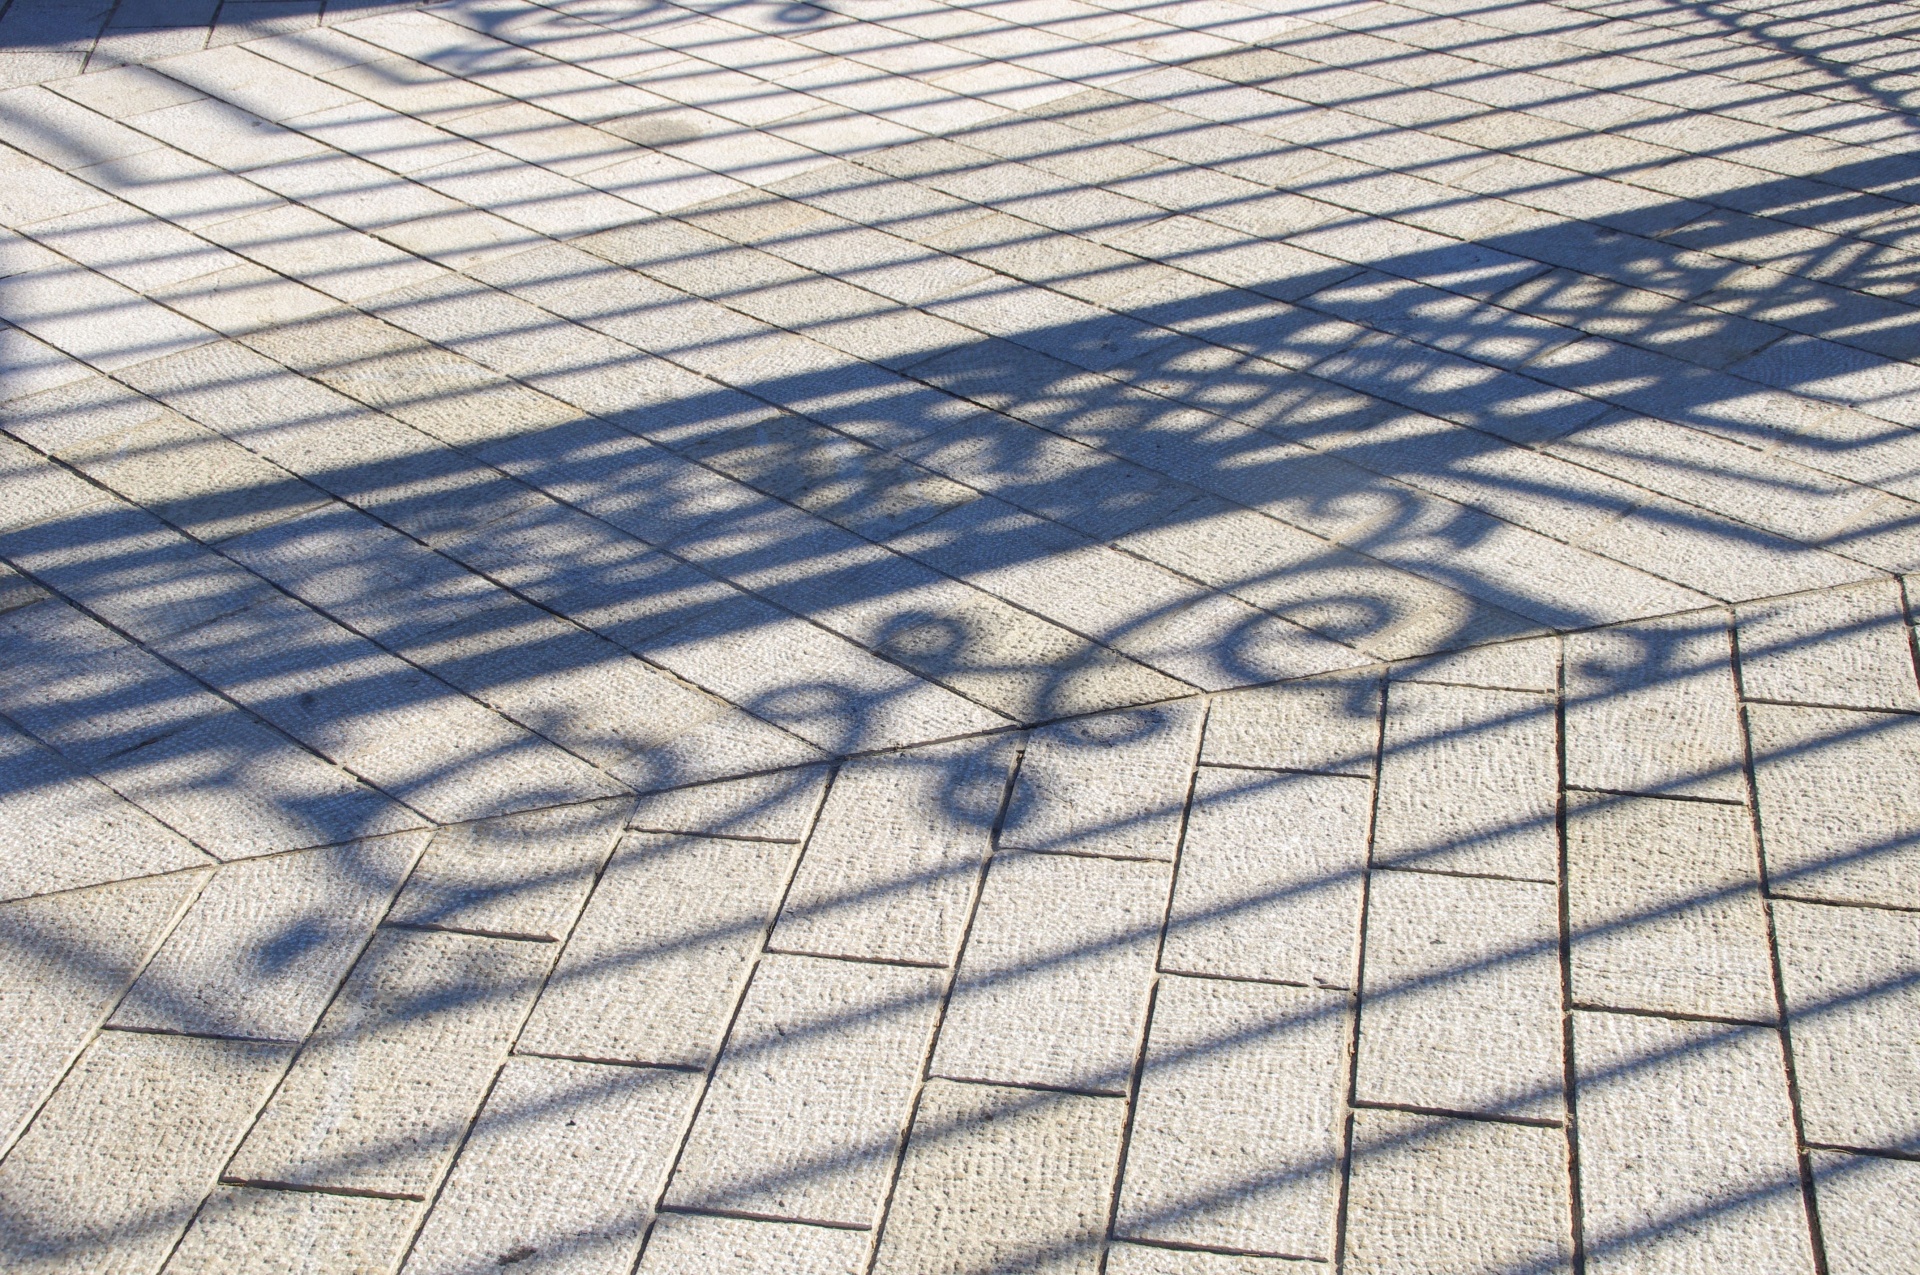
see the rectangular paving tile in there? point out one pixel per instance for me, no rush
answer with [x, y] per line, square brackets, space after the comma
[804, 1114]
[1054, 981]
[520, 876]
[1468, 782]
[777, 807]
[1000, 1178]
[655, 967]
[702, 1244]
[1849, 976]
[1142, 1259]
[1460, 999]
[1236, 1127]
[890, 870]
[1868, 1206]
[262, 949]
[1429, 1191]
[422, 1024]
[298, 1232]
[1844, 647]
[1330, 725]
[1663, 901]
[1650, 709]
[561, 1169]
[1686, 1148]
[111, 1172]
[1269, 884]
[1112, 784]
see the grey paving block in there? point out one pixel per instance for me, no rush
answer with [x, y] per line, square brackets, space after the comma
[69, 957]
[240, 1229]
[1003, 1179]
[521, 876]
[1850, 975]
[1839, 815]
[1868, 1206]
[656, 965]
[1460, 1000]
[1269, 884]
[701, 1244]
[778, 807]
[1428, 1194]
[1686, 1148]
[890, 869]
[1844, 647]
[1112, 784]
[1468, 782]
[262, 949]
[561, 1170]
[1650, 708]
[804, 1114]
[1330, 724]
[1236, 1126]
[1142, 1259]
[1663, 902]
[1053, 984]
[421, 1025]
[111, 1171]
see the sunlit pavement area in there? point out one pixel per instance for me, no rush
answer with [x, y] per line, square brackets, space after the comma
[1193, 637]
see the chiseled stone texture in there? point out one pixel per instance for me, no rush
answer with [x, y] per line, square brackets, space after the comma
[64, 960]
[655, 967]
[1869, 1210]
[1650, 709]
[1532, 664]
[1687, 1160]
[700, 1244]
[890, 869]
[1143, 1259]
[777, 806]
[1430, 1195]
[1053, 985]
[262, 949]
[521, 876]
[1113, 784]
[1326, 724]
[1843, 647]
[1839, 809]
[382, 1093]
[1235, 1140]
[1003, 1179]
[560, 1172]
[1852, 979]
[1270, 877]
[1460, 996]
[804, 1114]
[1468, 779]
[1663, 900]
[111, 1171]
[245, 1231]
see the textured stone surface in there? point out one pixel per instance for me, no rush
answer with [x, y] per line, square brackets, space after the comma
[779, 807]
[696, 1244]
[1323, 724]
[1141, 1259]
[1106, 785]
[1847, 647]
[1868, 1208]
[243, 1230]
[1650, 708]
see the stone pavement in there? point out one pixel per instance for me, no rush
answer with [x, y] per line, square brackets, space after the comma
[1170, 637]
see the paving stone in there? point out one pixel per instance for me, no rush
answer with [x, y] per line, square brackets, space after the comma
[560, 1171]
[1868, 1206]
[998, 1179]
[1053, 984]
[890, 870]
[1468, 782]
[778, 807]
[1849, 975]
[242, 1230]
[1844, 647]
[1650, 709]
[804, 1114]
[262, 949]
[519, 876]
[69, 957]
[1270, 878]
[1686, 1148]
[656, 965]
[111, 1171]
[1234, 1142]
[1140, 1259]
[1663, 903]
[416, 1034]
[1112, 784]
[1431, 1194]
[699, 1244]
[1330, 725]
[1460, 997]
[1838, 811]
